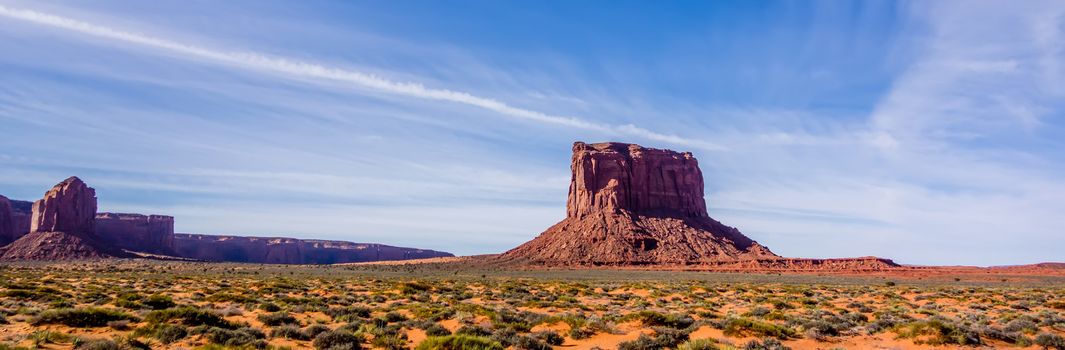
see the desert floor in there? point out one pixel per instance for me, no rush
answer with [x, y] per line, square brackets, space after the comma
[180, 305]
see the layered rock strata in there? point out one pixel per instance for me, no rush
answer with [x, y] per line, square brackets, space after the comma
[62, 227]
[279, 250]
[632, 205]
[137, 232]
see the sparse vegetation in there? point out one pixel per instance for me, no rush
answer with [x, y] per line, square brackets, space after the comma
[87, 317]
[459, 342]
[244, 307]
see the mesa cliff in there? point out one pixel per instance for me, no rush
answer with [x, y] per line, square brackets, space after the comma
[632, 205]
[7, 222]
[137, 232]
[64, 225]
[280, 250]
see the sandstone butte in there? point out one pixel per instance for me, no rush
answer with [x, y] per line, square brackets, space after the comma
[630, 205]
[64, 225]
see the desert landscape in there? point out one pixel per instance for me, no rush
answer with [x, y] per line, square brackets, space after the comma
[532, 175]
[637, 264]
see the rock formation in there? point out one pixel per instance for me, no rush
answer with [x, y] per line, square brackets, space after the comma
[22, 212]
[631, 205]
[7, 222]
[276, 250]
[69, 207]
[63, 227]
[137, 232]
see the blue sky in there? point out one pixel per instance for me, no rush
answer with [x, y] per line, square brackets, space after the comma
[927, 132]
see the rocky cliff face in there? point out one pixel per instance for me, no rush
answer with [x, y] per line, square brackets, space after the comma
[137, 232]
[63, 227]
[616, 177]
[277, 250]
[69, 207]
[7, 222]
[22, 213]
[631, 205]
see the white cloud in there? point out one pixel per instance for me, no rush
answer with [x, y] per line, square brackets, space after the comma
[250, 60]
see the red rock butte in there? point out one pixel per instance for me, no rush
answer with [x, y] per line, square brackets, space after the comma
[66, 226]
[63, 227]
[632, 205]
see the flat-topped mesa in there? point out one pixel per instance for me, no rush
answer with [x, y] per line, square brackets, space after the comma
[281, 250]
[137, 232]
[69, 207]
[615, 176]
[631, 205]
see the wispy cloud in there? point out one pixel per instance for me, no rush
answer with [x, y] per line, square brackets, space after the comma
[251, 60]
[931, 133]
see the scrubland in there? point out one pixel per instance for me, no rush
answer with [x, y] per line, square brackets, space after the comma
[179, 305]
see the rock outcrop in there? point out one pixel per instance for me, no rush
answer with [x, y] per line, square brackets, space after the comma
[63, 227]
[69, 207]
[137, 232]
[278, 250]
[631, 205]
[22, 213]
[7, 222]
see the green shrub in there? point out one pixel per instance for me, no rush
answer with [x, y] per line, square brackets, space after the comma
[168, 333]
[40, 294]
[436, 330]
[938, 331]
[87, 317]
[765, 344]
[289, 331]
[459, 342]
[476, 331]
[314, 330]
[669, 337]
[347, 314]
[163, 332]
[158, 302]
[233, 338]
[653, 319]
[40, 338]
[277, 319]
[99, 344]
[409, 288]
[1050, 341]
[270, 307]
[644, 342]
[129, 301]
[394, 341]
[530, 343]
[744, 327]
[549, 337]
[189, 316]
[338, 340]
[699, 344]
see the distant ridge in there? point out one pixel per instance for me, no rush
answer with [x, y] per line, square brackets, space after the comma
[66, 226]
